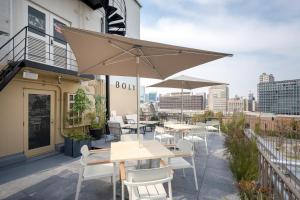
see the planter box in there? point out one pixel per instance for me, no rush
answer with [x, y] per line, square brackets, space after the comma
[72, 147]
[96, 133]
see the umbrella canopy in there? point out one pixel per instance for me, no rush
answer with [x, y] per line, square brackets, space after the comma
[105, 54]
[186, 82]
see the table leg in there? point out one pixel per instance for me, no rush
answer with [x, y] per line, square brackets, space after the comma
[114, 180]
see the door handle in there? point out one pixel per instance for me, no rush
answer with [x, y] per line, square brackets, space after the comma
[51, 42]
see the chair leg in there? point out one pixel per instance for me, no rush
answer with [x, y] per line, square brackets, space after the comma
[123, 193]
[183, 172]
[170, 190]
[206, 146]
[195, 174]
[79, 184]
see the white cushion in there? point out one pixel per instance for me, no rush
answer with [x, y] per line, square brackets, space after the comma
[97, 171]
[156, 191]
[179, 163]
[211, 128]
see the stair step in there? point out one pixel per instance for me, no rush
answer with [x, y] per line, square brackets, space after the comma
[111, 10]
[114, 17]
[117, 25]
[122, 33]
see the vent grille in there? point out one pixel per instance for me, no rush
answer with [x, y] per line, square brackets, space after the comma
[60, 56]
[36, 49]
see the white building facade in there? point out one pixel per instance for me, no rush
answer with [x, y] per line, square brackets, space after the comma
[218, 98]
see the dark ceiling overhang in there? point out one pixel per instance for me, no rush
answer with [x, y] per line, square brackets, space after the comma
[94, 4]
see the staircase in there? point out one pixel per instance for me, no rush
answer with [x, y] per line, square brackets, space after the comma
[115, 14]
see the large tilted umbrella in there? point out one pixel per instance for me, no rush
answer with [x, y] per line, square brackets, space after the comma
[185, 82]
[105, 54]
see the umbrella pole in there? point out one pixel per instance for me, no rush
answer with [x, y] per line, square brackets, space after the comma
[181, 119]
[138, 99]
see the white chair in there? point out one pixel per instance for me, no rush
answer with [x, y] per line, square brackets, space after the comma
[92, 169]
[147, 184]
[197, 135]
[161, 135]
[213, 126]
[131, 119]
[116, 130]
[185, 149]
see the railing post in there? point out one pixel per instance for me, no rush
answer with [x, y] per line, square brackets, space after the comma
[13, 48]
[25, 46]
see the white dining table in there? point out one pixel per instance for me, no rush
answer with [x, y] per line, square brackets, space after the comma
[133, 150]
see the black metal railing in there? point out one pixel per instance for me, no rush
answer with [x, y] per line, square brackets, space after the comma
[279, 168]
[32, 44]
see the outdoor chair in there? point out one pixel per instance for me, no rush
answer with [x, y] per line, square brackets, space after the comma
[147, 184]
[92, 169]
[197, 135]
[161, 135]
[183, 149]
[115, 130]
[131, 119]
[213, 126]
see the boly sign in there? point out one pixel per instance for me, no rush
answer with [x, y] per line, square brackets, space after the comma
[125, 86]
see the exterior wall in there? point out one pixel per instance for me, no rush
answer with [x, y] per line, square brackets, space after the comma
[236, 105]
[280, 97]
[11, 106]
[218, 98]
[190, 101]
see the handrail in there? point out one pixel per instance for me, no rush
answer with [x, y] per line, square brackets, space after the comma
[12, 37]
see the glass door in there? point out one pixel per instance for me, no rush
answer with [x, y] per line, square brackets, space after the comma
[59, 47]
[39, 122]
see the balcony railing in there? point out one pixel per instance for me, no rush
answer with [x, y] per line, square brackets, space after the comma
[34, 45]
[279, 164]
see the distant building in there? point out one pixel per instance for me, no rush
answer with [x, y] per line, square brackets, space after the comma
[266, 78]
[190, 101]
[236, 104]
[152, 96]
[279, 97]
[251, 103]
[218, 98]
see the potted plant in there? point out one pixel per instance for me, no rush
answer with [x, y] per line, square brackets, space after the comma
[97, 119]
[78, 137]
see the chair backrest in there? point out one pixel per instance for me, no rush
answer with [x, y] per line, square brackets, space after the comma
[85, 152]
[185, 146]
[131, 137]
[159, 130]
[199, 131]
[115, 129]
[131, 118]
[118, 119]
[143, 177]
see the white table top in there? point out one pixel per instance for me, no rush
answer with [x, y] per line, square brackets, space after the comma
[131, 150]
[180, 127]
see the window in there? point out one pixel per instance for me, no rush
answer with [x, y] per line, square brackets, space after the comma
[36, 21]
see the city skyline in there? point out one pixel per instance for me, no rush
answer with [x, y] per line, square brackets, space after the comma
[262, 37]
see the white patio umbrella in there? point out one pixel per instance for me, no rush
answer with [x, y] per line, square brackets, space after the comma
[105, 54]
[185, 82]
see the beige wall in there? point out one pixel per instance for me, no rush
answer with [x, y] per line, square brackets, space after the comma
[123, 101]
[11, 107]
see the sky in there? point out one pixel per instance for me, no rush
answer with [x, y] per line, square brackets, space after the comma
[263, 35]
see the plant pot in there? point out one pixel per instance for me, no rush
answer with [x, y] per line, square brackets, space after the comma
[77, 144]
[96, 133]
[72, 147]
[68, 147]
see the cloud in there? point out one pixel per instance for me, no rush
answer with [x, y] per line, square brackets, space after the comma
[260, 43]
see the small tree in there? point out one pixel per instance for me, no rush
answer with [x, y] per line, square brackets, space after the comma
[81, 104]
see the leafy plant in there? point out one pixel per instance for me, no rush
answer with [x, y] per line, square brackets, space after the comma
[78, 136]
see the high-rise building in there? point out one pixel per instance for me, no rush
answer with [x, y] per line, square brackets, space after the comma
[237, 104]
[250, 102]
[265, 78]
[279, 97]
[190, 101]
[152, 96]
[218, 98]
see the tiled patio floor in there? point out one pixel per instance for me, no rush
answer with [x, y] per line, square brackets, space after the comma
[55, 178]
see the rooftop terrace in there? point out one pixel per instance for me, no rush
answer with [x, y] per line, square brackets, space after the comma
[55, 177]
